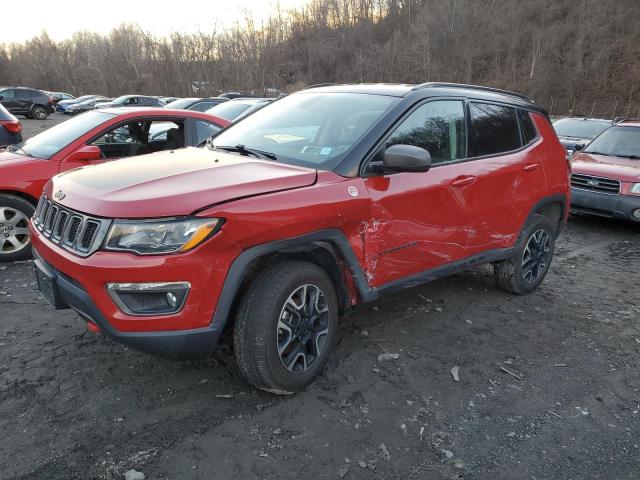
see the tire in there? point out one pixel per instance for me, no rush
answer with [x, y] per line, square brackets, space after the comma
[39, 112]
[523, 273]
[15, 243]
[268, 345]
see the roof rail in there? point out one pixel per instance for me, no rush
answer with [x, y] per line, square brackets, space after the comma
[473, 87]
[625, 119]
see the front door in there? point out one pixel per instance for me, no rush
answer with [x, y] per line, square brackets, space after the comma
[420, 221]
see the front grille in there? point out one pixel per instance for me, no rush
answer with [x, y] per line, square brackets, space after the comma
[72, 230]
[596, 184]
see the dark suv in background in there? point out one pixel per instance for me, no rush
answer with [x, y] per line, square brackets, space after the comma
[29, 102]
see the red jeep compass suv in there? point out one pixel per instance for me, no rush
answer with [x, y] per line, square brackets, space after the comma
[326, 198]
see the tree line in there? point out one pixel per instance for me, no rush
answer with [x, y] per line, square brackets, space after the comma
[580, 56]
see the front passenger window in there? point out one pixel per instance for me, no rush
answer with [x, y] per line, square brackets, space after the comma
[438, 127]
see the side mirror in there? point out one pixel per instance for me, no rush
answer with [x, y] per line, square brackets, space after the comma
[87, 153]
[406, 158]
[578, 147]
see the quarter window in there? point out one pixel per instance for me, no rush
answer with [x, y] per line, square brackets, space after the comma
[527, 127]
[438, 127]
[494, 129]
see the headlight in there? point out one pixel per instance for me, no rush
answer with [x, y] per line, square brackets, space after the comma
[155, 237]
[635, 188]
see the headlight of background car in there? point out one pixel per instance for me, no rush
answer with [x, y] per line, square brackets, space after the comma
[154, 237]
[635, 188]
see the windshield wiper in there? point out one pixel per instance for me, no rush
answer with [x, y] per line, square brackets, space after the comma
[633, 157]
[16, 148]
[598, 153]
[242, 150]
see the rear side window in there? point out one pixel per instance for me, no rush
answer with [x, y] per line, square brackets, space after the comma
[438, 127]
[494, 129]
[23, 94]
[528, 129]
[7, 94]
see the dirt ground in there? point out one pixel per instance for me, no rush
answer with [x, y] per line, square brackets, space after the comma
[74, 405]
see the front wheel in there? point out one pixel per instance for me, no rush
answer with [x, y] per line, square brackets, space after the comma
[525, 270]
[15, 243]
[285, 327]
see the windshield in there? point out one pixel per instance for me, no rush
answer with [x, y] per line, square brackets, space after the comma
[309, 129]
[46, 144]
[617, 142]
[121, 99]
[181, 103]
[571, 127]
[229, 110]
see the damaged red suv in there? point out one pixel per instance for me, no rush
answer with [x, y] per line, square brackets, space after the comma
[326, 198]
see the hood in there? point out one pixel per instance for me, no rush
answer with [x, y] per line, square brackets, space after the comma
[10, 159]
[623, 169]
[173, 183]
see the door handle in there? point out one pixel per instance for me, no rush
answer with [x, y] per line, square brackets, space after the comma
[462, 181]
[530, 167]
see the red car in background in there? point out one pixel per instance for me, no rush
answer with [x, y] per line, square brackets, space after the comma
[605, 178]
[92, 138]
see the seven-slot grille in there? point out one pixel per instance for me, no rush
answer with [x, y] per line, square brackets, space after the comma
[71, 230]
[597, 184]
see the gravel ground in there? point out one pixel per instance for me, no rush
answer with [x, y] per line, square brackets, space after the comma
[548, 386]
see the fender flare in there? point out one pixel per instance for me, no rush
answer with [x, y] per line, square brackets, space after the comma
[316, 239]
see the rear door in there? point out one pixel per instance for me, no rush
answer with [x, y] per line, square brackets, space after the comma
[420, 221]
[24, 99]
[509, 173]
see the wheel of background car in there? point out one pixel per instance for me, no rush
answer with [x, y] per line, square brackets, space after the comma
[39, 112]
[285, 327]
[525, 270]
[14, 228]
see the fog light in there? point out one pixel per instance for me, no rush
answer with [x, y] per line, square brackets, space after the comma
[140, 299]
[172, 300]
[636, 214]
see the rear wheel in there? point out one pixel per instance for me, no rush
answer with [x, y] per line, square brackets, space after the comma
[15, 243]
[285, 327]
[39, 112]
[522, 273]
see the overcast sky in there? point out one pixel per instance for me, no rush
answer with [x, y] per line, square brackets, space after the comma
[63, 17]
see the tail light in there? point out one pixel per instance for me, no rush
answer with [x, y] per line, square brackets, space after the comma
[12, 127]
[50, 99]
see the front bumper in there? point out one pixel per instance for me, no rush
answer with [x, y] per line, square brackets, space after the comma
[81, 284]
[64, 292]
[604, 204]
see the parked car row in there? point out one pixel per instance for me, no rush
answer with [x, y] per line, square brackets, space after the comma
[605, 165]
